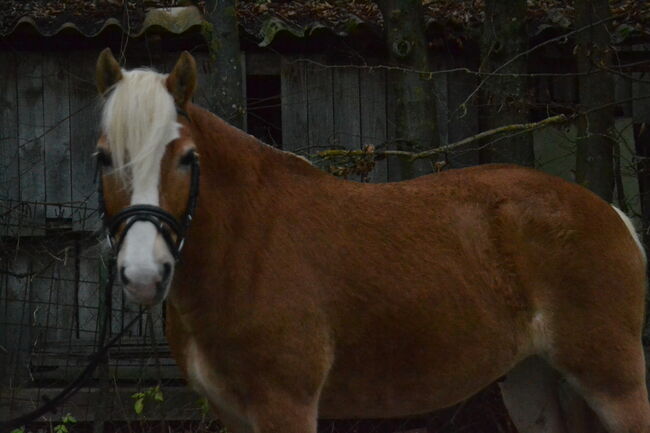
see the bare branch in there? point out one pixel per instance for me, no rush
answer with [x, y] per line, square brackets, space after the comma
[412, 156]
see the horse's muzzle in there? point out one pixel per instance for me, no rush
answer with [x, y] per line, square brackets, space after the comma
[147, 288]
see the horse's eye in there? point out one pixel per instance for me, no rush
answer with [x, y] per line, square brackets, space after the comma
[104, 158]
[188, 158]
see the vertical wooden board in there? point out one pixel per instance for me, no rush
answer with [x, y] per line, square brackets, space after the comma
[117, 311]
[440, 90]
[88, 298]
[372, 89]
[565, 87]
[56, 108]
[158, 328]
[295, 107]
[623, 92]
[204, 68]
[4, 324]
[84, 131]
[347, 122]
[9, 168]
[41, 298]
[61, 323]
[8, 322]
[394, 171]
[244, 90]
[347, 111]
[30, 134]
[17, 318]
[641, 105]
[321, 107]
[463, 119]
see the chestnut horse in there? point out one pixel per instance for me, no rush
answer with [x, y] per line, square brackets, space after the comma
[299, 295]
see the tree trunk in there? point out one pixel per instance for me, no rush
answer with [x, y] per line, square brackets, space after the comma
[224, 91]
[505, 98]
[412, 91]
[594, 162]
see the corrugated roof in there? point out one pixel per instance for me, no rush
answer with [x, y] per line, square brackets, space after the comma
[174, 20]
[265, 20]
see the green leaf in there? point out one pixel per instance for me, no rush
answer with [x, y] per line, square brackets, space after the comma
[203, 404]
[68, 419]
[158, 395]
[19, 430]
[138, 406]
[61, 428]
[138, 395]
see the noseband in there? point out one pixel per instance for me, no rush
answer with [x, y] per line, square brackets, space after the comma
[165, 223]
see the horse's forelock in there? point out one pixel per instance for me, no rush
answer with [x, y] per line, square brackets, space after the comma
[139, 119]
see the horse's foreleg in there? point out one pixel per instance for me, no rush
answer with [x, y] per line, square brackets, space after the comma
[283, 414]
[232, 422]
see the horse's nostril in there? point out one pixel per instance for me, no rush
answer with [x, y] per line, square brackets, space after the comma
[167, 270]
[125, 280]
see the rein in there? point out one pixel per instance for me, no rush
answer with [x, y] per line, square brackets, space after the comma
[166, 224]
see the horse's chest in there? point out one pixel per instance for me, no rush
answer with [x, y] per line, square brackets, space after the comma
[202, 376]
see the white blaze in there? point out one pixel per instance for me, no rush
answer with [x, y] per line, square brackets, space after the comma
[139, 121]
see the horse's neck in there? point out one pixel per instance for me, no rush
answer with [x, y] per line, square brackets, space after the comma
[229, 155]
[240, 179]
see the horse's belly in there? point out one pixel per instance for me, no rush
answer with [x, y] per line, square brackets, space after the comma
[397, 383]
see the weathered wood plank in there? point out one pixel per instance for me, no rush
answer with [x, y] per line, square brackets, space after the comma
[321, 107]
[42, 305]
[84, 127]
[372, 100]
[30, 133]
[244, 90]
[347, 111]
[9, 168]
[641, 105]
[134, 359]
[462, 116]
[441, 96]
[347, 122]
[295, 108]
[16, 320]
[372, 89]
[64, 283]
[87, 297]
[204, 68]
[564, 87]
[56, 142]
[394, 170]
[623, 92]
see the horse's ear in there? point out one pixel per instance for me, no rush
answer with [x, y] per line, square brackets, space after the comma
[108, 71]
[182, 80]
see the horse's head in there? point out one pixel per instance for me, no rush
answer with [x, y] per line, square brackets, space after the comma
[148, 171]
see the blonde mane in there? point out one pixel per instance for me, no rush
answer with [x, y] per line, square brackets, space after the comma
[139, 120]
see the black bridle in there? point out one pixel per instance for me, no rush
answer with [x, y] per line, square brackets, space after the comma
[166, 224]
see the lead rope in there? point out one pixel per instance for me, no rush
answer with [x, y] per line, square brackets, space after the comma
[95, 359]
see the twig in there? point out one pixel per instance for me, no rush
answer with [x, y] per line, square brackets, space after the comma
[412, 156]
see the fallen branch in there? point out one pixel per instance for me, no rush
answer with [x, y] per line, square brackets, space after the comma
[412, 156]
